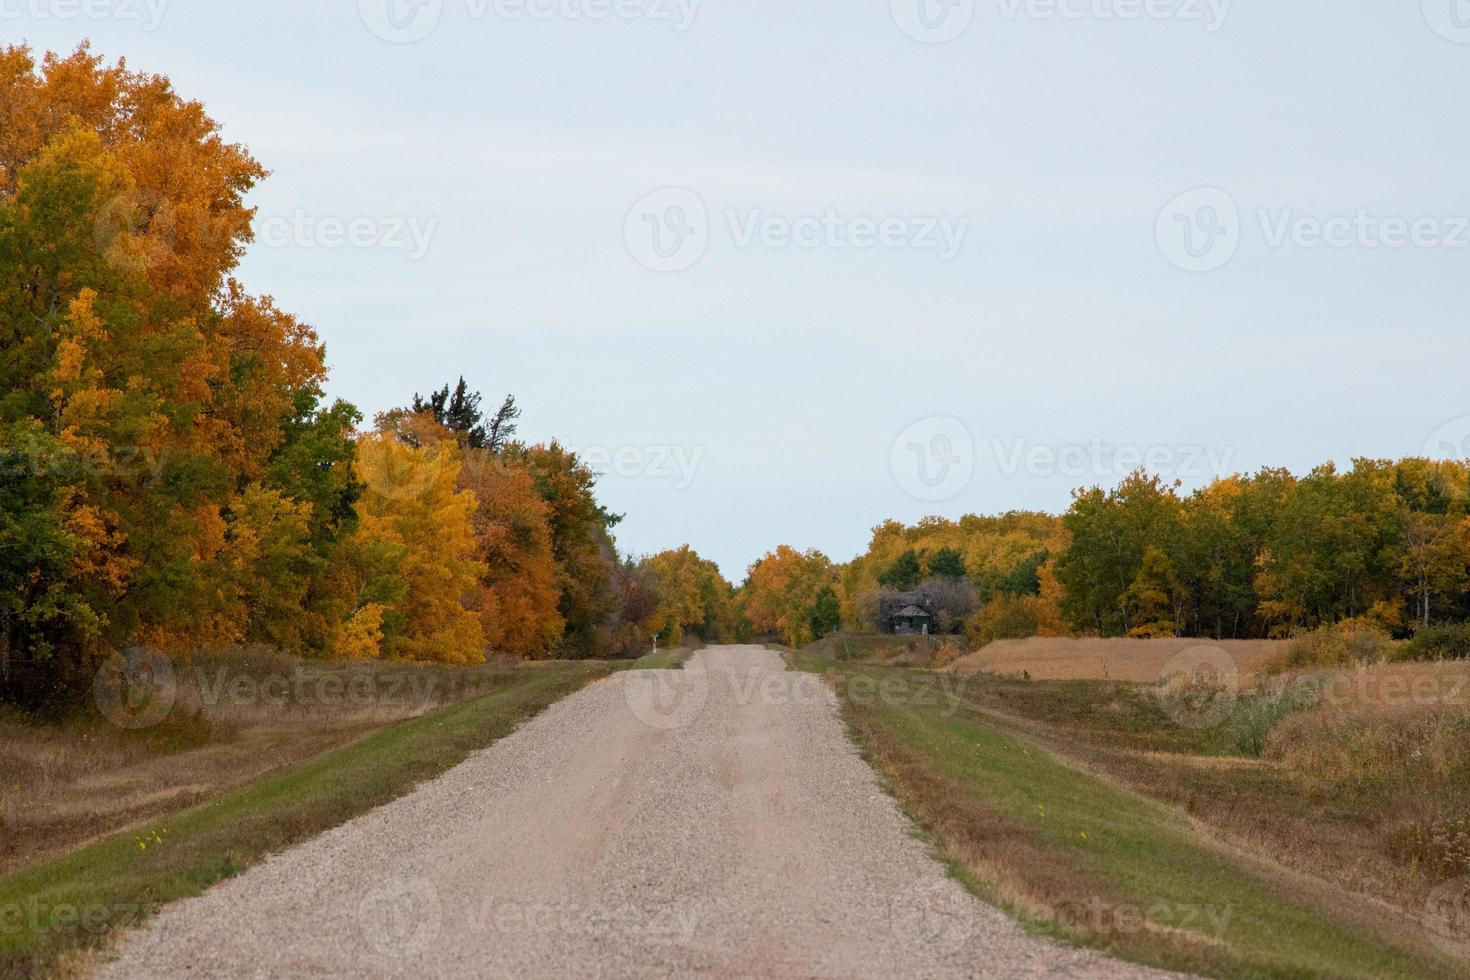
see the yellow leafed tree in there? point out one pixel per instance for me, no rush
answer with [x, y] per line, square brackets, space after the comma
[412, 508]
[781, 592]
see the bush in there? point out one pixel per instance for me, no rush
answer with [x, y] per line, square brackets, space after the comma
[1258, 715]
[1441, 847]
[1444, 641]
[1345, 644]
[947, 654]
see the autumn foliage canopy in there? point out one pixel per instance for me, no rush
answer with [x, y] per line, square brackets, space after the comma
[173, 475]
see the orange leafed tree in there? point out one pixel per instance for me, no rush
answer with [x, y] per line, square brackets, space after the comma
[519, 591]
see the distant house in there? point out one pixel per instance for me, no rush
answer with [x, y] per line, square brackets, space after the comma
[906, 612]
[910, 619]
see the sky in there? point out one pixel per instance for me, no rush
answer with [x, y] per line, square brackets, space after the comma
[784, 270]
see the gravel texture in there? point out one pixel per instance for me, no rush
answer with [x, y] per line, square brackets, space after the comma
[710, 821]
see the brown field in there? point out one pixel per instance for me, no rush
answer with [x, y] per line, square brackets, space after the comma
[1391, 741]
[1094, 658]
[237, 716]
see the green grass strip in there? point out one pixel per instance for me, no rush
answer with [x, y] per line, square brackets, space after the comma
[670, 659]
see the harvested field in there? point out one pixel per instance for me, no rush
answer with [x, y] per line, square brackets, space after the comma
[1095, 658]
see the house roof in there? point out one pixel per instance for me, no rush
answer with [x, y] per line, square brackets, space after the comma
[912, 612]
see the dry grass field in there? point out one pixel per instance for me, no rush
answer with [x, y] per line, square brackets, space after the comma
[1356, 777]
[1094, 658]
[1391, 742]
[236, 716]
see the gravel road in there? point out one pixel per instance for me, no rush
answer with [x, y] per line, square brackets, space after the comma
[710, 821]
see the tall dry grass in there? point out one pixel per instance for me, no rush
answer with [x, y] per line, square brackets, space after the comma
[1392, 741]
[236, 715]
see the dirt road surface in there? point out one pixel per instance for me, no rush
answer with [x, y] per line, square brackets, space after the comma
[713, 821]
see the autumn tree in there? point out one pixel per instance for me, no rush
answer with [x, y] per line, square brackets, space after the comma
[781, 592]
[626, 631]
[1006, 617]
[419, 526]
[1327, 555]
[1153, 598]
[1434, 556]
[580, 540]
[156, 393]
[520, 585]
[1110, 532]
[692, 596]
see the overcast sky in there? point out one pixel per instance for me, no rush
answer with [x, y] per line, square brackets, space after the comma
[786, 269]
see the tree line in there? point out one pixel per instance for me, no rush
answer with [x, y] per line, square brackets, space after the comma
[173, 475]
[1384, 545]
[1267, 555]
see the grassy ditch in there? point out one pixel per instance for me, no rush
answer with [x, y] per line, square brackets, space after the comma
[1075, 854]
[53, 914]
[226, 718]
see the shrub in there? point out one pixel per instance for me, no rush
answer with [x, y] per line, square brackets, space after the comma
[1441, 848]
[1255, 718]
[947, 654]
[1343, 644]
[1444, 641]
